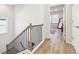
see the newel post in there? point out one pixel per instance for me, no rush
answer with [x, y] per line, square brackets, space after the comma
[30, 37]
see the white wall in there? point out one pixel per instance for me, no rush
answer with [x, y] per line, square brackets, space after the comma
[75, 30]
[7, 11]
[26, 14]
[46, 22]
[35, 14]
[68, 18]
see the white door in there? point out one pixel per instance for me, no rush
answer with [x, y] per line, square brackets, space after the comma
[75, 26]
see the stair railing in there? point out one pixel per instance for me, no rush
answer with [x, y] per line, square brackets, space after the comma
[17, 45]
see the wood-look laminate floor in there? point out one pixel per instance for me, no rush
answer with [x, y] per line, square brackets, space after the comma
[62, 48]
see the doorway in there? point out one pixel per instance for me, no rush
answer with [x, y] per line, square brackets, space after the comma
[56, 24]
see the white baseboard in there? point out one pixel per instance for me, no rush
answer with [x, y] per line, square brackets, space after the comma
[37, 46]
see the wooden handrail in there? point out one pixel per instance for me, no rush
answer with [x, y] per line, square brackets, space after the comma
[30, 35]
[21, 33]
[37, 25]
[30, 46]
[27, 28]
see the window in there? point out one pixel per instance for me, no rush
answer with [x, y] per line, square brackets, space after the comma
[3, 25]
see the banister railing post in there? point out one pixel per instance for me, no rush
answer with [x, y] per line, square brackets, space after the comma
[7, 49]
[30, 38]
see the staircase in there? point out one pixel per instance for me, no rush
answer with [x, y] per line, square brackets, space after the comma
[26, 39]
